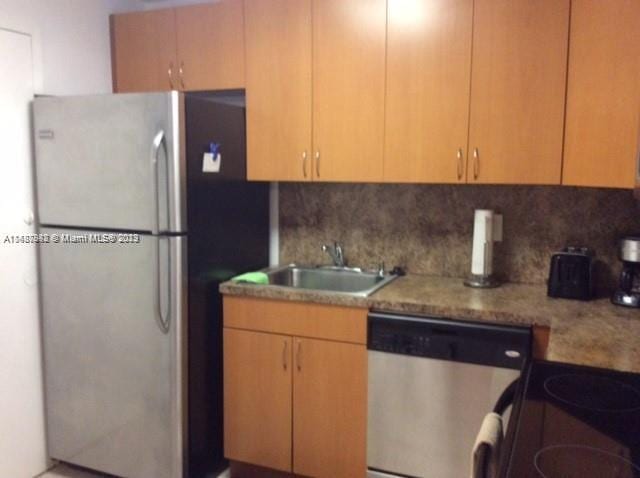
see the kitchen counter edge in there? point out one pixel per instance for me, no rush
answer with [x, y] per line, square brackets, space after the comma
[594, 333]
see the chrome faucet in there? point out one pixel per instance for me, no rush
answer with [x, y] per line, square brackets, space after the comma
[335, 252]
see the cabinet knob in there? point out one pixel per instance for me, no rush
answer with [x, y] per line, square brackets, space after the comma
[460, 157]
[318, 163]
[299, 355]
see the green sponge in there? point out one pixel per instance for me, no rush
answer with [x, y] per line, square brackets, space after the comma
[252, 278]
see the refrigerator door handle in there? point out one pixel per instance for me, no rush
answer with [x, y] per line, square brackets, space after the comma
[163, 319]
[158, 142]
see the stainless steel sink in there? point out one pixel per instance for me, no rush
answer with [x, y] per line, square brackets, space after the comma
[341, 280]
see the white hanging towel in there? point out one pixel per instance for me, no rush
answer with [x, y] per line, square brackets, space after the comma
[486, 450]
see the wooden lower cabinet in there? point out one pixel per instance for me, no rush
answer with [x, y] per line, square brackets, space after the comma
[293, 400]
[330, 409]
[257, 398]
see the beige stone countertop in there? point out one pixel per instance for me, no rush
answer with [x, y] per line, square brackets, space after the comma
[594, 333]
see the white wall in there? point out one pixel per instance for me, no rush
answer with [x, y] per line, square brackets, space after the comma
[70, 54]
[71, 41]
[22, 451]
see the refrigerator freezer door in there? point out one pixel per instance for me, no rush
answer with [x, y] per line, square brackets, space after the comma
[111, 161]
[114, 318]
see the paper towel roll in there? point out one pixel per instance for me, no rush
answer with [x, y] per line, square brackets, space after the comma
[482, 256]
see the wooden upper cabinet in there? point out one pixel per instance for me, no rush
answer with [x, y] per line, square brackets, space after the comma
[518, 91]
[603, 96]
[278, 82]
[199, 47]
[210, 45]
[330, 413]
[143, 51]
[428, 81]
[258, 398]
[348, 89]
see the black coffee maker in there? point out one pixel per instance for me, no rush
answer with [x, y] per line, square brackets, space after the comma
[628, 291]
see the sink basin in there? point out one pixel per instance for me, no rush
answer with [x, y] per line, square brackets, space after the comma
[339, 280]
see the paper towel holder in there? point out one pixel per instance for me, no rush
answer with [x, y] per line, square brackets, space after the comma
[487, 229]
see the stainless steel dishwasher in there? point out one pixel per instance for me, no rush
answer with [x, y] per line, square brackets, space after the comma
[431, 383]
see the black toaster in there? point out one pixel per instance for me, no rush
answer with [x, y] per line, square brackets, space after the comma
[571, 273]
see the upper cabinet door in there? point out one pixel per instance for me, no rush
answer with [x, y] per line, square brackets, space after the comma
[211, 46]
[428, 80]
[603, 97]
[278, 55]
[518, 91]
[348, 91]
[143, 51]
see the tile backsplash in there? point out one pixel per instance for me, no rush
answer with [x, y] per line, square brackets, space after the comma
[427, 229]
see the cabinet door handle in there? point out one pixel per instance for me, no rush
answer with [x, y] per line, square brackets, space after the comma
[304, 164]
[284, 354]
[170, 75]
[317, 164]
[460, 157]
[181, 74]
[299, 355]
[476, 163]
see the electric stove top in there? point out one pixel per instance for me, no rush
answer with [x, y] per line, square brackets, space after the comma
[575, 422]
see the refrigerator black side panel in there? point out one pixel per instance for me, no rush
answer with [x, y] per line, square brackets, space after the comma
[217, 117]
[228, 227]
[228, 235]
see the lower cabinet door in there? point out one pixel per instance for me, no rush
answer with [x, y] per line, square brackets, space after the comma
[330, 412]
[257, 398]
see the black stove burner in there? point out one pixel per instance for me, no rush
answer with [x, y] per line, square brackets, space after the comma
[575, 422]
[591, 392]
[576, 461]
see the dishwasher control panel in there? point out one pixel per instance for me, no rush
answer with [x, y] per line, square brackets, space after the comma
[399, 342]
[449, 339]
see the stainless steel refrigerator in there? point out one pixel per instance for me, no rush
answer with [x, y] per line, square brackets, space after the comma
[135, 239]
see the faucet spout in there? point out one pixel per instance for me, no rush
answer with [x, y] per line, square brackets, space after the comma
[336, 253]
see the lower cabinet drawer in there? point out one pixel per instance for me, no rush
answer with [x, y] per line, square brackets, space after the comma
[344, 324]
